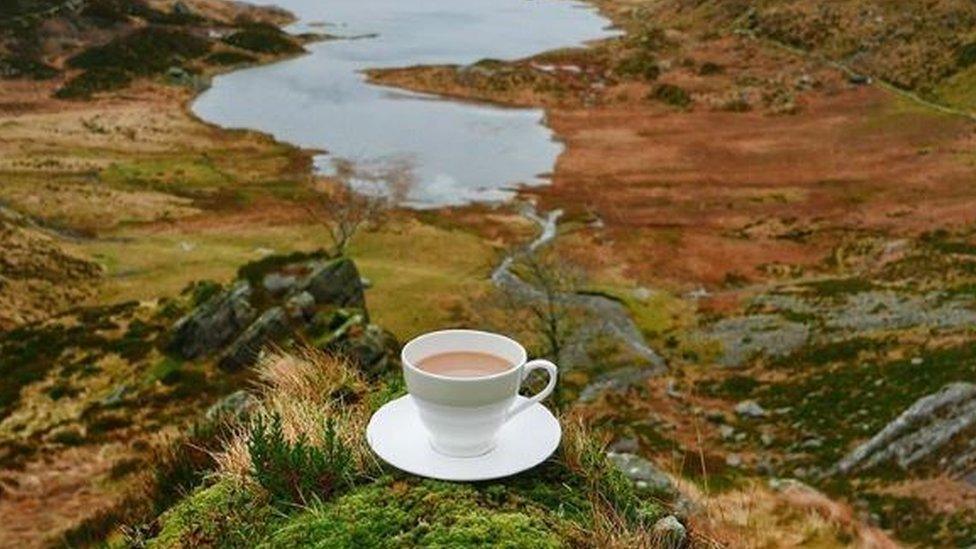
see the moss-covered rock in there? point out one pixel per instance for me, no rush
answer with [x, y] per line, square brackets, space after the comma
[227, 514]
[420, 514]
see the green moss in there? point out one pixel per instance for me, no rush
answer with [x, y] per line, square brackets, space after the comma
[262, 38]
[227, 514]
[418, 514]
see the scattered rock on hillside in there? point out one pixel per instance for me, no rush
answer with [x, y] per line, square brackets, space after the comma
[937, 429]
[750, 408]
[618, 381]
[644, 474]
[214, 323]
[670, 533]
[233, 406]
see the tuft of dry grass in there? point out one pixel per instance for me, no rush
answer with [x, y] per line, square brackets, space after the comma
[608, 527]
[305, 388]
[794, 515]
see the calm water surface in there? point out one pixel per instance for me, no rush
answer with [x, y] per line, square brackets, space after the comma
[461, 152]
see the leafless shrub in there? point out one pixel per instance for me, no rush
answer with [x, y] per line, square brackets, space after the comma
[358, 196]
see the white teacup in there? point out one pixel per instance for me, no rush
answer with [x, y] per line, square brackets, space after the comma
[462, 415]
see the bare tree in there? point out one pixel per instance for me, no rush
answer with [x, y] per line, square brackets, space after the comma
[554, 283]
[358, 196]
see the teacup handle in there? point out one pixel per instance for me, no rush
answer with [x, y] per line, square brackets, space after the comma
[538, 364]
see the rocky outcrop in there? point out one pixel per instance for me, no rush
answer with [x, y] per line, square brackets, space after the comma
[281, 298]
[937, 431]
[214, 324]
[335, 283]
[347, 333]
[270, 327]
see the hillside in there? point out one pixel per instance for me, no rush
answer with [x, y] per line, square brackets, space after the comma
[774, 200]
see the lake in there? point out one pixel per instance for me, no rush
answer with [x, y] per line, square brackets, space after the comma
[461, 152]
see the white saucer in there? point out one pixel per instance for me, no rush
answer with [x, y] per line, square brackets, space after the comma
[397, 436]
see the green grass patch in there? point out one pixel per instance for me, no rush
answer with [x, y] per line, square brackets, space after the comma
[177, 174]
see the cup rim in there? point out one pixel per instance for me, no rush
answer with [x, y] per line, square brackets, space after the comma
[407, 364]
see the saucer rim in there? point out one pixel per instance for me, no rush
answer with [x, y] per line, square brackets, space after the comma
[433, 475]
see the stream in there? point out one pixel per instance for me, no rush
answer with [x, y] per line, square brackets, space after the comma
[615, 321]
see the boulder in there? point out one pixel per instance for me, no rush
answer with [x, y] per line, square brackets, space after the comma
[669, 533]
[335, 283]
[937, 430]
[209, 327]
[750, 408]
[270, 327]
